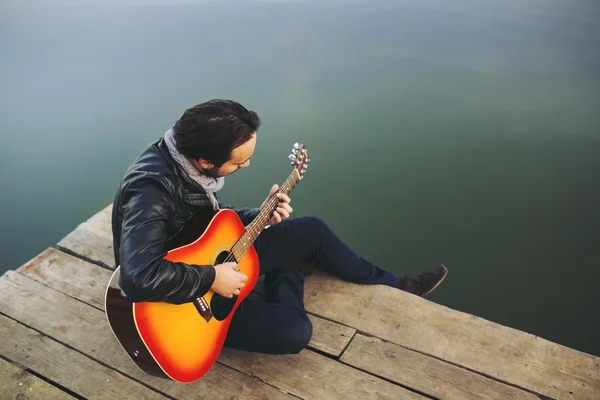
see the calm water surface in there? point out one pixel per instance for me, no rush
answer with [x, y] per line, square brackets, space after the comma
[463, 132]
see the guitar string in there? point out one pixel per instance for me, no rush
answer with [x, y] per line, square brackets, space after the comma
[255, 227]
[286, 187]
[253, 230]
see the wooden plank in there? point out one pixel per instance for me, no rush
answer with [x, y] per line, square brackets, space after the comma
[21, 385]
[320, 372]
[87, 282]
[68, 274]
[423, 373]
[329, 337]
[90, 246]
[309, 375]
[84, 328]
[497, 351]
[519, 359]
[64, 366]
[101, 222]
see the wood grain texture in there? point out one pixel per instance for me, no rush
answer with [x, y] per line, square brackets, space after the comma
[85, 328]
[309, 375]
[329, 337]
[494, 350]
[67, 367]
[87, 282]
[68, 274]
[426, 374]
[90, 246]
[100, 223]
[19, 384]
[497, 351]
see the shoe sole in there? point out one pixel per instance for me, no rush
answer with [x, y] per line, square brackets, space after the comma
[439, 282]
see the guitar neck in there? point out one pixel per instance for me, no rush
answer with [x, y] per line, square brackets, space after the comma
[255, 228]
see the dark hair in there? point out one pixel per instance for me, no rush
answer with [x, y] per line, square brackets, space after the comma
[211, 130]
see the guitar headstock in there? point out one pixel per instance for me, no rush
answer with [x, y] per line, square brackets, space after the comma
[299, 159]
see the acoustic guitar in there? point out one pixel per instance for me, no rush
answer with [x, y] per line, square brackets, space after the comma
[182, 341]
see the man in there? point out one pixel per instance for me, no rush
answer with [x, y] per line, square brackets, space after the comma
[179, 174]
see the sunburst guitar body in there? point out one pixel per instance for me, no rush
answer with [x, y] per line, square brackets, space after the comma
[183, 341]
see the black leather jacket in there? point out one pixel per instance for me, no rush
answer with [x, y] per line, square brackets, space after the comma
[154, 201]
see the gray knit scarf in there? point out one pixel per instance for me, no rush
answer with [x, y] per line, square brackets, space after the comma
[209, 184]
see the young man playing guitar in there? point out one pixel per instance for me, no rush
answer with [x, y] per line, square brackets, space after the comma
[178, 175]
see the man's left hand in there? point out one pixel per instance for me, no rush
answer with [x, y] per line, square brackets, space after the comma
[283, 209]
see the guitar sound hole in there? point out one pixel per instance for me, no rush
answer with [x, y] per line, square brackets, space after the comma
[221, 306]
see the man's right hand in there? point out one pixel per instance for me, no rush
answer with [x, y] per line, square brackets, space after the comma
[228, 281]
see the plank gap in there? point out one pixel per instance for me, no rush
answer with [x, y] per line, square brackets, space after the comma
[75, 254]
[242, 385]
[542, 397]
[61, 291]
[83, 281]
[323, 353]
[47, 380]
[85, 355]
[390, 381]
[554, 373]
[3, 357]
[496, 352]
[260, 380]
[38, 269]
[38, 377]
[348, 344]
[337, 323]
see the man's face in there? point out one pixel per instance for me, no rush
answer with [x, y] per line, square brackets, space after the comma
[240, 158]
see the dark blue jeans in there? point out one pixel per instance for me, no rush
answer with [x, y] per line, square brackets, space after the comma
[279, 324]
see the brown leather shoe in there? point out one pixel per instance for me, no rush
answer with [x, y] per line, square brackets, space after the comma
[424, 283]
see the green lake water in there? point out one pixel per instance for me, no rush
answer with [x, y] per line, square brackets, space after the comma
[465, 133]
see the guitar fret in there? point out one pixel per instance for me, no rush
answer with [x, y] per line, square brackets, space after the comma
[254, 229]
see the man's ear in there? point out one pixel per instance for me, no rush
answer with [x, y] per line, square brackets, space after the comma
[205, 164]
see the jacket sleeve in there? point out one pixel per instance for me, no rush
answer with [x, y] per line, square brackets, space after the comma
[145, 274]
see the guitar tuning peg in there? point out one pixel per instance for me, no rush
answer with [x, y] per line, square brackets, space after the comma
[295, 151]
[296, 146]
[292, 157]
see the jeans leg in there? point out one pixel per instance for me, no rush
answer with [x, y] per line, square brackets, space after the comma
[279, 326]
[310, 239]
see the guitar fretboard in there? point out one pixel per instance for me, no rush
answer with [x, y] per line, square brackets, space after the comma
[255, 228]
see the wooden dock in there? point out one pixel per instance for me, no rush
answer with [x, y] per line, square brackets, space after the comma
[369, 342]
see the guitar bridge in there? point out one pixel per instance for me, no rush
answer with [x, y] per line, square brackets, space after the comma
[203, 308]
